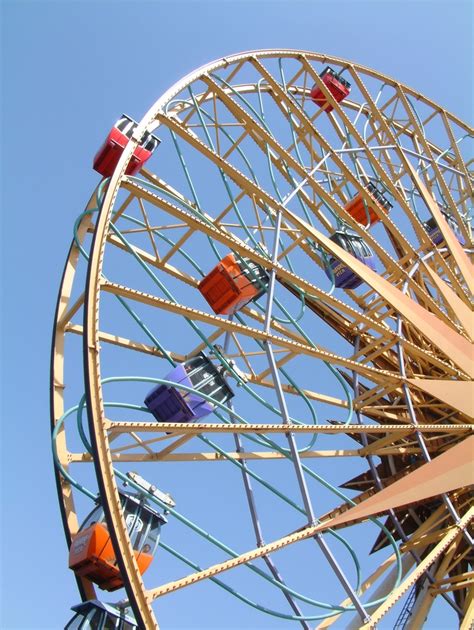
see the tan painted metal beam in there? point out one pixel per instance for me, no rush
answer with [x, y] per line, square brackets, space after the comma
[421, 568]
[468, 620]
[445, 338]
[303, 534]
[200, 427]
[462, 311]
[212, 230]
[231, 326]
[456, 394]
[458, 253]
[63, 311]
[103, 465]
[214, 456]
[451, 470]
[123, 342]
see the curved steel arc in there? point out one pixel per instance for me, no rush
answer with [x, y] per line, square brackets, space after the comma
[103, 463]
[425, 318]
[66, 501]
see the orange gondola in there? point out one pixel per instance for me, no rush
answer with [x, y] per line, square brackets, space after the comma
[232, 284]
[92, 554]
[362, 211]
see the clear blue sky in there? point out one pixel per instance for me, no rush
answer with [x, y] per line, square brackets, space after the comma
[68, 70]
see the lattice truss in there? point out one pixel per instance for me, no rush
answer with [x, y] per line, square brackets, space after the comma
[375, 381]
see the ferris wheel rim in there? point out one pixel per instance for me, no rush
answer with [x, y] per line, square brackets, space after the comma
[193, 75]
[92, 369]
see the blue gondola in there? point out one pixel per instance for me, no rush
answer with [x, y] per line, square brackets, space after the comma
[344, 276]
[95, 615]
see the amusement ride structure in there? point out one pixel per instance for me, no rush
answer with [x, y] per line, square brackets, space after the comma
[269, 298]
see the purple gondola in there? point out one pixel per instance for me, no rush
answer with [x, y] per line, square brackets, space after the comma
[171, 404]
[344, 276]
[435, 233]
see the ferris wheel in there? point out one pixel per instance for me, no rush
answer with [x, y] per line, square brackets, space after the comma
[262, 353]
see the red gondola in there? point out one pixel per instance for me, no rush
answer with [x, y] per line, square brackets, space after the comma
[338, 87]
[107, 157]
